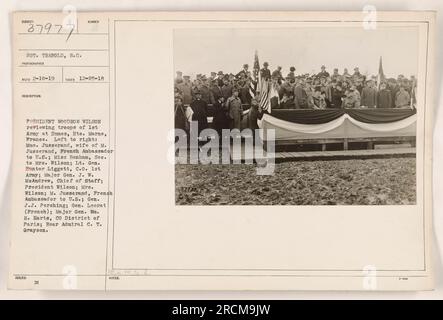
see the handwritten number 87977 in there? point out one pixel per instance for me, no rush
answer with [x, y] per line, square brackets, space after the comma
[51, 28]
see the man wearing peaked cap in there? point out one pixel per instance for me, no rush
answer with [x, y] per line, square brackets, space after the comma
[291, 74]
[265, 72]
[323, 72]
[245, 73]
[186, 90]
[277, 75]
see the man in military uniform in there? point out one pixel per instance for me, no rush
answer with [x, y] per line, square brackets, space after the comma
[265, 72]
[204, 89]
[186, 90]
[402, 98]
[335, 75]
[216, 90]
[235, 109]
[245, 73]
[276, 75]
[220, 75]
[226, 89]
[323, 72]
[357, 75]
[286, 88]
[291, 74]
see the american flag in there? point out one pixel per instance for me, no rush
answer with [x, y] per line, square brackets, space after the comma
[264, 87]
[255, 76]
[381, 76]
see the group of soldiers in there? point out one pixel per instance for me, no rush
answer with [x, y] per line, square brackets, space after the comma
[227, 95]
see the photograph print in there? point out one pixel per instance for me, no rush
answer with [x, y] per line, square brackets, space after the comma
[330, 112]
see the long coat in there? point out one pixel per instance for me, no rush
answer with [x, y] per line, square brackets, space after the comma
[235, 112]
[216, 93]
[180, 120]
[336, 96]
[384, 99]
[369, 97]
[221, 119]
[245, 96]
[300, 97]
[200, 115]
[402, 99]
[186, 90]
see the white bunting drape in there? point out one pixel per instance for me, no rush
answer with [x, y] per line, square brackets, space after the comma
[270, 122]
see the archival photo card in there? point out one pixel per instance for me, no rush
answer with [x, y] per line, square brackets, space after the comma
[222, 150]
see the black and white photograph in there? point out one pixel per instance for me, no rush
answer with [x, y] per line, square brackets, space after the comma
[333, 108]
[301, 158]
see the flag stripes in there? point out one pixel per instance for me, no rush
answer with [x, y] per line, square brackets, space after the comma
[255, 76]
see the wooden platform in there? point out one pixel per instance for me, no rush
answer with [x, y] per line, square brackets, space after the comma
[330, 155]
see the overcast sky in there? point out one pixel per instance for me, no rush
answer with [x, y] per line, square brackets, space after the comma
[205, 50]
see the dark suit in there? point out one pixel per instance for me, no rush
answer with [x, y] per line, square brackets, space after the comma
[216, 93]
[384, 99]
[226, 91]
[199, 107]
[221, 119]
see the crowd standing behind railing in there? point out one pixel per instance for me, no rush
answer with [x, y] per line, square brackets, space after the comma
[225, 96]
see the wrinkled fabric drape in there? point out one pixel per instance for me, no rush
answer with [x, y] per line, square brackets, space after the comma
[297, 128]
[324, 116]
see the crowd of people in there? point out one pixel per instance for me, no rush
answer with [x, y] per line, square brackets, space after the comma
[225, 96]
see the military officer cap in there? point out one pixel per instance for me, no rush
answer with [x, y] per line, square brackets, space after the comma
[245, 65]
[186, 77]
[292, 69]
[220, 73]
[266, 64]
